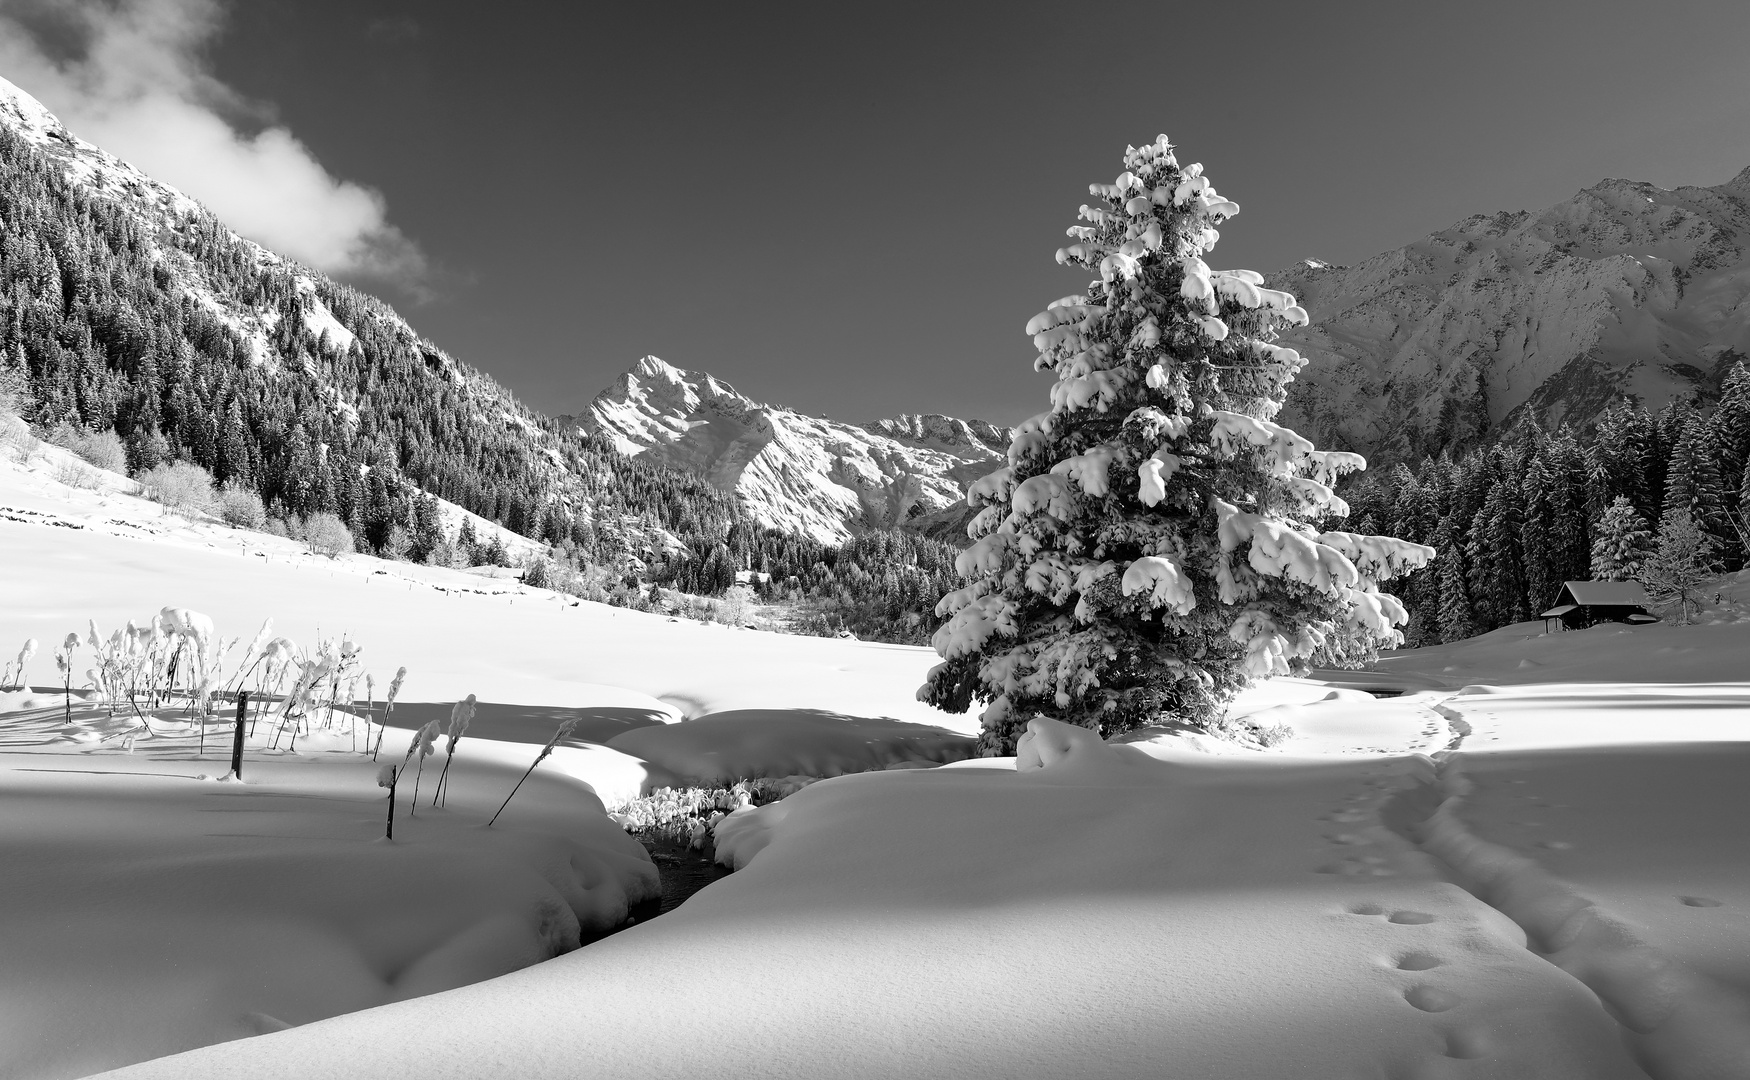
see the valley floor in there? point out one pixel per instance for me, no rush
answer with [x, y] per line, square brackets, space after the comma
[1509, 871]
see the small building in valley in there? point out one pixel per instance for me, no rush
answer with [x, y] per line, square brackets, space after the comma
[1584, 603]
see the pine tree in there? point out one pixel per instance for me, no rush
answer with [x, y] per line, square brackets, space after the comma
[1693, 483]
[1623, 543]
[1151, 545]
[1497, 558]
[1457, 618]
[1731, 420]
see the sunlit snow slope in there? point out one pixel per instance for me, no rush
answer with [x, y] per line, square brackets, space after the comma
[794, 472]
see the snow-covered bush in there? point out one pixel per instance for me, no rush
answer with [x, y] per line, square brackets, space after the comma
[75, 474]
[104, 449]
[736, 607]
[16, 441]
[397, 543]
[690, 815]
[538, 575]
[240, 507]
[327, 535]
[181, 486]
[1675, 575]
[1155, 541]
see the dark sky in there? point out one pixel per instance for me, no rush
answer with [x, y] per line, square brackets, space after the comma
[853, 209]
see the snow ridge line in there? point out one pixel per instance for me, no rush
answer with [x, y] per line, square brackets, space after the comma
[1678, 1023]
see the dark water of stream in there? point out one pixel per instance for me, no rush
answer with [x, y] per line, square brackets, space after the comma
[684, 872]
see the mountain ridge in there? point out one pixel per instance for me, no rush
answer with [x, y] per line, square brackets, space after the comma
[1624, 289]
[794, 472]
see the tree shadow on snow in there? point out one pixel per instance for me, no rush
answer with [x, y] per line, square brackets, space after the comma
[723, 747]
[526, 723]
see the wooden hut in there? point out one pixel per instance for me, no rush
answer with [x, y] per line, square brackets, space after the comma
[1584, 603]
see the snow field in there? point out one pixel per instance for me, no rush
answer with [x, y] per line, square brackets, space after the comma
[1162, 906]
[151, 907]
[1104, 914]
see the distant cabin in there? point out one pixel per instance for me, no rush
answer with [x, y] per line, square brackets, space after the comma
[1584, 603]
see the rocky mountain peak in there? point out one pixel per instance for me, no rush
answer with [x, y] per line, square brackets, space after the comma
[1625, 289]
[792, 471]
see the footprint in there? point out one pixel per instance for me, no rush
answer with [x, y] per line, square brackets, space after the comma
[1366, 909]
[1417, 961]
[1699, 901]
[1410, 918]
[1431, 998]
[1468, 1043]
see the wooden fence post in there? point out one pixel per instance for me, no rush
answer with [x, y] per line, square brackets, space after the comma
[237, 739]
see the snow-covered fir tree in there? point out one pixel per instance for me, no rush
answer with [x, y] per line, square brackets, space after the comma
[1622, 543]
[1155, 541]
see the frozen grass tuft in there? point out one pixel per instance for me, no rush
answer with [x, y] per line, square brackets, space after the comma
[690, 815]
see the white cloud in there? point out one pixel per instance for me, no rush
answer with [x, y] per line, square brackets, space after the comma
[128, 76]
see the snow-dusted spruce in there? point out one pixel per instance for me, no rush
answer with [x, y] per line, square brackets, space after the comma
[1155, 541]
[1622, 544]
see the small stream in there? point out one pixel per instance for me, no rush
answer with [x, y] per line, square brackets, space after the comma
[684, 872]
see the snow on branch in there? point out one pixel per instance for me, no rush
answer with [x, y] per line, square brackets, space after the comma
[1088, 470]
[1044, 492]
[995, 487]
[1379, 558]
[1284, 450]
[1279, 550]
[1162, 579]
[1327, 465]
[973, 625]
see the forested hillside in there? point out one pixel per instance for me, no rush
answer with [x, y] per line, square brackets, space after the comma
[1514, 520]
[149, 318]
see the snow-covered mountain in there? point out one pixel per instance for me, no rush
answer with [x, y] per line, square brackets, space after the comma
[795, 472]
[171, 223]
[1624, 289]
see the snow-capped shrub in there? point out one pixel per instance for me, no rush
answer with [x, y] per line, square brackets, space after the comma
[690, 815]
[1155, 541]
[1677, 573]
[538, 575]
[75, 474]
[240, 507]
[15, 438]
[104, 449]
[181, 486]
[327, 535]
[397, 543]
